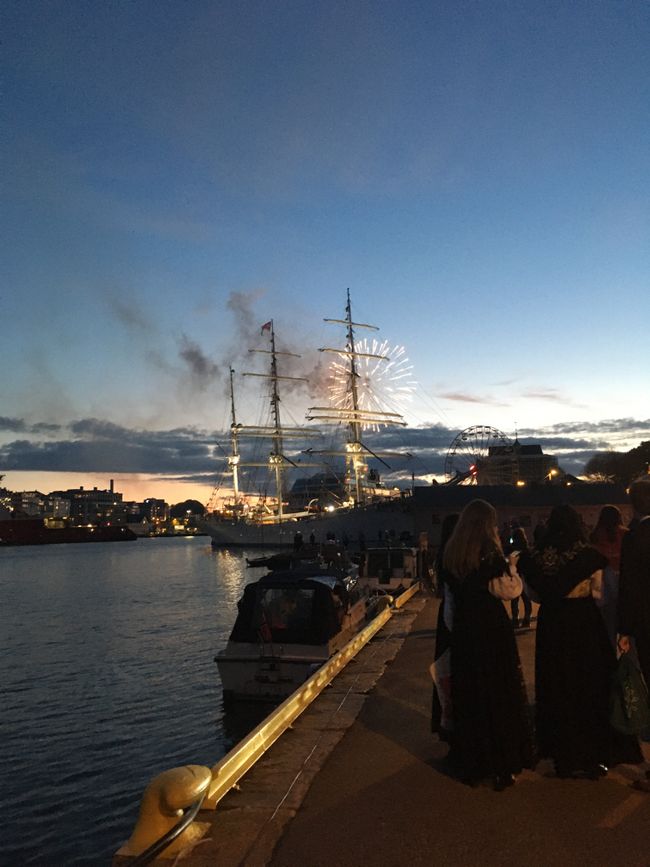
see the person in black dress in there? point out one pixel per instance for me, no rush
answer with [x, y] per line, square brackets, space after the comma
[634, 598]
[441, 668]
[574, 659]
[490, 735]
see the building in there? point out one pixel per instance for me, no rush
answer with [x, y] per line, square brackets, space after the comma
[94, 506]
[528, 505]
[155, 510]
[36, 505]
[516, 463]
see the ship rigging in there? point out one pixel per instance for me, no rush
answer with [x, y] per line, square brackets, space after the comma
[351, 414]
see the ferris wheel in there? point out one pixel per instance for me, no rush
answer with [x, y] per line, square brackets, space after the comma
[468, 449]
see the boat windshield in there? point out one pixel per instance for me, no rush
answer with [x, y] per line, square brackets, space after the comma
[286, 608]
[301, 612]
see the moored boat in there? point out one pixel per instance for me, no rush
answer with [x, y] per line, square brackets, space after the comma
[47, 531]
[289, 623]
[389, 570]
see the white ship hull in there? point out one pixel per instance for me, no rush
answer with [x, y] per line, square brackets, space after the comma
[373, 523]
[246, 674]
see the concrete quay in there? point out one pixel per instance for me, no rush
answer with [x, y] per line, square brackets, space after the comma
[361, 780]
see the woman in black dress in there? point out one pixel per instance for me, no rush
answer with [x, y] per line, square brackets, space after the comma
[490, 735]
[441, 668]
[574, 658]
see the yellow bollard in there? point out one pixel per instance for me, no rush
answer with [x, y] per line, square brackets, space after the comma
[163, 803]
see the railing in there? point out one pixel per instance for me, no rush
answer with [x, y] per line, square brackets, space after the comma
[404, 597]
[232, 767]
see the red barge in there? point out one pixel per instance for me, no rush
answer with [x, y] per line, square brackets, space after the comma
[44, 531]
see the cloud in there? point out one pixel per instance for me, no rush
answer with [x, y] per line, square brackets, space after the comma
[127, 312]
[543, 394]
[97, 445]
[17, 425]
[619, 425]
[202, 368]
[463, 397]
[550, 394]
[101, 446]
[247, 322]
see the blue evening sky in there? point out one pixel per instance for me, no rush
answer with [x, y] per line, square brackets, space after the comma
[178, 173]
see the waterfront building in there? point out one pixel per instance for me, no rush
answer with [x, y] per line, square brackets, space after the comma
[516, 464]
[35, 504]
[528, 505]
[94, 506]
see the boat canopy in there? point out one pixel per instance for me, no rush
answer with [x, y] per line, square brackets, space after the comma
[288, 608]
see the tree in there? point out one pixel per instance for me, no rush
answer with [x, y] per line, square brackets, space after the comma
[180, 510]
[621, 467]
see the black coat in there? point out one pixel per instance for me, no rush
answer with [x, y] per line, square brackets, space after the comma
[574, 664]
[634, 582]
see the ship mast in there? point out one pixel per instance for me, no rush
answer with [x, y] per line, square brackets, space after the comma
[276, 457]
[356, 450]
[277, 460]
[233, 460]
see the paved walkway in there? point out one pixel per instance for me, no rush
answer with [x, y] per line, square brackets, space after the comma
[361, 781]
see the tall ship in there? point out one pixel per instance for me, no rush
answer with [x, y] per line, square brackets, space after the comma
[361, 510]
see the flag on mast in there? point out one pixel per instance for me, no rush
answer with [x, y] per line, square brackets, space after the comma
[266, 326]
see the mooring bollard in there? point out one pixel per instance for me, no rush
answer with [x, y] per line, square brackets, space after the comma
[163, 803]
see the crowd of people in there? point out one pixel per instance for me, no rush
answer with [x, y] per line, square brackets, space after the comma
[594, 604]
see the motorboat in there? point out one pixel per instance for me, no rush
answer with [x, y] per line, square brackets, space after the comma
[289, 623]
[388, 570]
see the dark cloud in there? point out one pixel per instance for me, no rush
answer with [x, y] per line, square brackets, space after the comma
[97, 445]
[17, 425]
[247, 322]
[201, 368]
[606, 426]
[45, 427]
[127, 312]
[93, 427]
[101, 446]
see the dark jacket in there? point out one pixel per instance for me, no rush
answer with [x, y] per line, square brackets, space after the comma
[634, 587]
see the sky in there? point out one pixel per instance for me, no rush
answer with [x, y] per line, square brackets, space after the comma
[176, 174]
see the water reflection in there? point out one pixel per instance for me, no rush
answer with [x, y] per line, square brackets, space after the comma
[108, 673]
[240, 718]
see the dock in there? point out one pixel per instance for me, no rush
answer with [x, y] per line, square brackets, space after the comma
[361, 780]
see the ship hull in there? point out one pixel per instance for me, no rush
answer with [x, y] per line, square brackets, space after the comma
[246, 675]
[34, 532]
[374, 523]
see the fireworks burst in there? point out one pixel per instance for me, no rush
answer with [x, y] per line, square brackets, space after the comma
[383, 384]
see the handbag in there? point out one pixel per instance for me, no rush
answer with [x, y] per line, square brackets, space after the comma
[506, 586]
[629, 710]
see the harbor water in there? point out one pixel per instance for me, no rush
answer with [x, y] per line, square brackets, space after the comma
[108, 678]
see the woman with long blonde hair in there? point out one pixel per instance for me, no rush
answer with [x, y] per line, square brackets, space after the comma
[491, 735]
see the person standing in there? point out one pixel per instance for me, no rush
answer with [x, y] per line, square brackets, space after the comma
[634, 587]
[441, 667]
[574, 660]
[607, 538]
[517, 543]
[490, 735]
